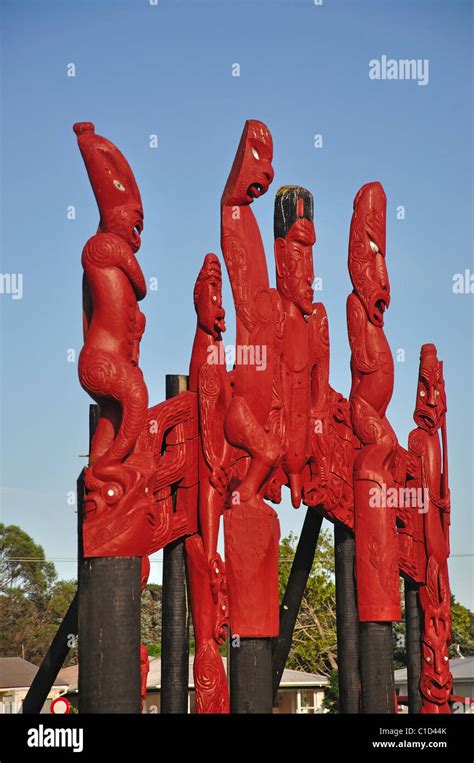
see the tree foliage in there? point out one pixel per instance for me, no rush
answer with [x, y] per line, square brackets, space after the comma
[151, 619]
[314, 647]
[32, 602]
[462, 630]
[17, 569]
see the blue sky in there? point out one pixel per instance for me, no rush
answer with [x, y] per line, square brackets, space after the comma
[167, 70]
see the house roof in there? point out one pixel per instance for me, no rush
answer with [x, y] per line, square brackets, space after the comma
[462, 669]
[17, 673]
[291, 678]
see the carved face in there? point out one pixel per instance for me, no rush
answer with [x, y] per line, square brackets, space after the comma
[252, 171]
[430, 404]
[294, 264]
[208, 297]
[367, 266]
[436, 679]
[114, 186]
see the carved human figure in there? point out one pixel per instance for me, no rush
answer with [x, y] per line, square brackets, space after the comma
[294, 240]
[244, 255]
[209, 379]
[310, 419]
[424, 442]
[333, 442]
[372, 385]
[118, 480]
[251, 526]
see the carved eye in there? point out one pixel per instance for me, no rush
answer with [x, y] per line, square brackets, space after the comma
[255, 153]
[445, 658]
[373, 246]
[214, 298]
[422, 393]
[436, 392]
[119, 185]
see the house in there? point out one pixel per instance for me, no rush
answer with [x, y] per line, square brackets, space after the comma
[16, 676]
[462, 669]
[299, 692]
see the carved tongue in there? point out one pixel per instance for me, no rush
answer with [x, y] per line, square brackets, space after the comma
[295, 488]
[255, 190]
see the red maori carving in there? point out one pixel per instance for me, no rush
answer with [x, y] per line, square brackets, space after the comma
[372, 385]
[308, 417]
[118, 482]
[208, 378]
[294, 240]
[251, 528]
[424, 442]
[334, 444]
[411, 542]
[210, 681]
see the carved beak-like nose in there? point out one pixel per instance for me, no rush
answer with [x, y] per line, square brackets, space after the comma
[269, 174]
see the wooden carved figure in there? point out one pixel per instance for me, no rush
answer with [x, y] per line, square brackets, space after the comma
[118, 481]
[309, 418]
[208, 378]
[424, 442]
[333, 442]
[372, 385]
[294, 240]
[251, 527]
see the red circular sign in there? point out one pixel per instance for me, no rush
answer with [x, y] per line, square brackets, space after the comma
[60, 706]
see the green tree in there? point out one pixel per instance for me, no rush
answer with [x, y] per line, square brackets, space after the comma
[331, 694]
[32, 602]
[399, 635]
[22, 563]
[314, 647]
[151, 619]
[462, 630]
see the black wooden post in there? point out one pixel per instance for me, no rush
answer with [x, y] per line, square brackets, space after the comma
[347, 621]
[376, 667]
[109, 635]
[413, 645]
[175, 620]
[290, 606]
[109, 629]
[250, 675]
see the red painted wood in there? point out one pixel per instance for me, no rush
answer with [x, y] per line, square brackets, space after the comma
[424, 442]
[209, 380]
[227, 446]
[251, 527]
[372, 386]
